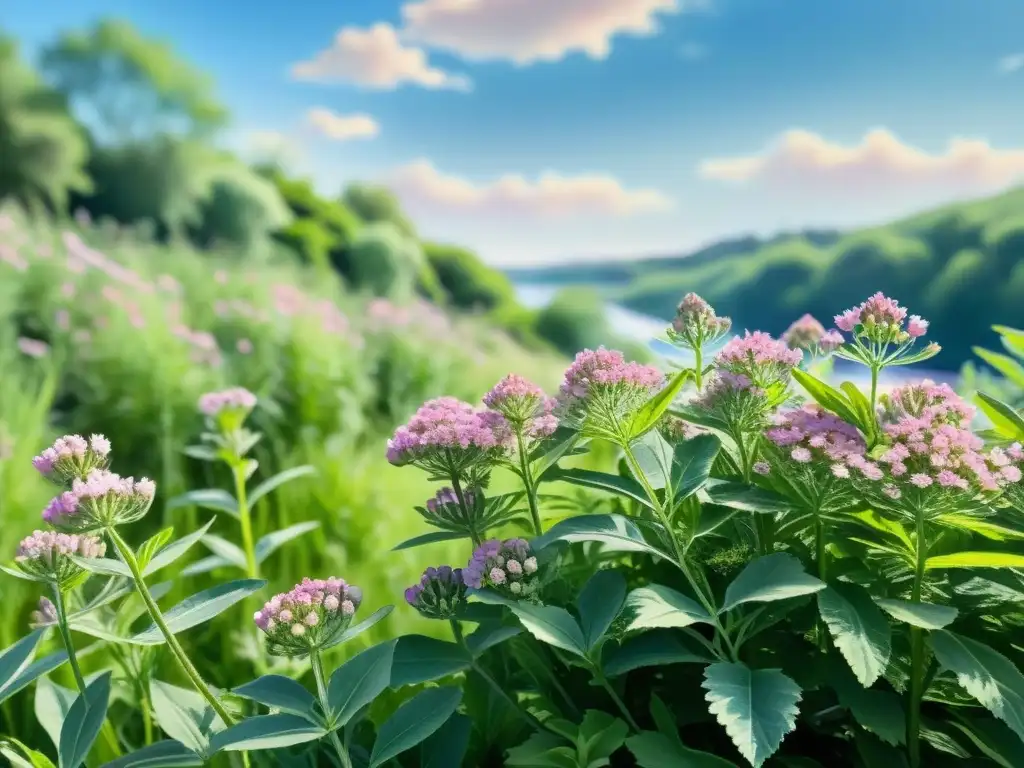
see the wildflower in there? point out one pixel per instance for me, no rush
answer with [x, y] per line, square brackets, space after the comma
[765, 361]
[444, 510]
[928, 403]
[762, 467]
[44, 556]
[810, 336]
[33, 347]
[506, 566]
[696, 325]
[227, 408]
[45, 614]
[309, 617]
[875, 324]
[102, 499]
[72, 456]
[244, 346]
[448, 438]
[523, 405]
[440, 593]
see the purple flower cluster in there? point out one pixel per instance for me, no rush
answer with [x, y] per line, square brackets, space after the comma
[927, 401]
[236, 400]
[810, 336]
[45, 614]
[600, 387]
[696, 325]
[73, 456]
[881, 320]
[309, 616]
[506, 566]
[44, 555]
[763, 360]
[99, 500]
[447, 435]
[523, 405]
[439, 594]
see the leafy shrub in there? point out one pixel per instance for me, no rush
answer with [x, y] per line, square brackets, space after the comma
[573, 320]
[384, 261]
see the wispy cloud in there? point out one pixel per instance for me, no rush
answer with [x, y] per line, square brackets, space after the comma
[342, 127]
[1011, 63]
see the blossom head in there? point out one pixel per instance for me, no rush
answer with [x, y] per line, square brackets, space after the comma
[523, 405]
[507, 566]
[72, 456]
[448, 437]
[102, 499]
[309, 617]
[45, 556]
[45, 614]
[696, 325]
[881, 320]
[440, 593]
[810, 336]
[929, 403]
[444, 510]
[765, 361]
[228, 408]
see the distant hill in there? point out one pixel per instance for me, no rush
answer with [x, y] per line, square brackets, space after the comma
[960, 266]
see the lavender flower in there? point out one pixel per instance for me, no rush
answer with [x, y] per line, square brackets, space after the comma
[765, 361]
[810, 336]
[696, 325]
[524, 406]
[505, 566]
[102, 499]
[72, 456]
[44, 556]
[309, 617]
[45, 614]
[444, 511]
[448, 438]
[440, 593]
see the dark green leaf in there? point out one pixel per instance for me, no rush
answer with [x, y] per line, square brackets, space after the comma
[651, 649]
[599, 604]
[691, 464]
[163, 754]
[83, 722]
[602, 481]
[413, 722]
[488, 635]
[281, 693]
[15, 659]
[617, 533]
[656, 750]
[357, 629]
[359, 681]
[199, 608]
[429, 538]
[551, 625]
[778, 576]
[860, 630]
[542, 750]
[266, 732]
[447, 747]
[747, 498]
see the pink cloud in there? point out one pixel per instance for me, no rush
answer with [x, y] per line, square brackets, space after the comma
[342, 127]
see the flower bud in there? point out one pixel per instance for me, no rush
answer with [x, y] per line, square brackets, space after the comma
[44, 555]
[72, 456]
[102, 499]
[440, 593]
[312, 615]
[45, 614]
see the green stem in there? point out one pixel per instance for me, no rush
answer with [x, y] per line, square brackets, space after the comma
[875, 370]
[619, 703]
[147, 719]
[158, 618]
[244, 515]
[916, 691]
[321, 687]
[65, 635]
[467, 516]
[531, 491]
[698, 374]
[110, 736]
[822, 557]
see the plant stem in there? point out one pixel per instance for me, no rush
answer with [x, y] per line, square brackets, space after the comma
[467, 516]
[822, 557]
[875, 370]
[147, 719]
[698, 374]
[194, 677]
[65, 635]
[619, 703]
[321, 687]
[245, 516]
[916, 690]
[531, 491]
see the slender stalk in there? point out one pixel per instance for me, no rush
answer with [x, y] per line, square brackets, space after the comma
[321, 687]
[187, 666]
[875, 370]
[110, 736]
[619, 703]
[245, 516]
[65, 636]
[822, 557]
[916, 690]
[531, 491]
[147, 719]
[470, 521]
[698, 374]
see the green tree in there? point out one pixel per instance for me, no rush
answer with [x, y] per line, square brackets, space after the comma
[42, 150]
[385, 261]
[469, 283]
[243, 208]
[373, 204]
[574, 320]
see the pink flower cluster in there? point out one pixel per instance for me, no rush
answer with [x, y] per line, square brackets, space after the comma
[810, 433]
[600, 383]
[309, 615]
[446, 424]
[810, 336]
[507, 566]
[927, 402]
[759, 357]
[73, 456]
[235, 399]
[882, 318]
[101, 499]
[696, 324]
[44, 554]
[524, 405]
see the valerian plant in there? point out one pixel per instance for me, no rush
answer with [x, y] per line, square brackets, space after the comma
[780, 571]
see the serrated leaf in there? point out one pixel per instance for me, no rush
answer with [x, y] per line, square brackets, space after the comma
[266, 732]
[924, 615]
[207, 498]
[163, 754]
[199, 608]
[860, 630]
[651, 649]
[225, 550]
[656, 750]
[275, 482]
[175, 549]
[778, 576]
[270, 543]
[359, 681]
[757, 708]
[602, 481]
[281, 693]
[657, 606]
[413, 722]
[599, 603]
[83, 722]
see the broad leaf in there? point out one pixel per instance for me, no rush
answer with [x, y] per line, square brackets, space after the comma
[975, 560]
[1005, 364]
[83, 722]
[860, 630]
[656, 750]
[488, 635]
[359, 681]
[757, 708]
[778, 576]
[550, 450]
[602, 481]
[15, 658]
[447, 747]
[421, 659]
[658, 606]
[272, 483]
[413, 722]
[281, 693]
[208, 498]
[52, 704]
[984, 673]
[1004, 417]
[266, 732]
[38, 668]
[270, 543]
[617, 533]
[21, 756]
[542, 750]
[598, 737]
[176, 549]
[225, 550]
[199, 608]
[924, 615]
[747, 498]
[651, 649]
[163, 754]
[599, 604]
[653, 455]
[184, 715]
[551, 625]
[691, 464]
[357, 629]
[650, 412]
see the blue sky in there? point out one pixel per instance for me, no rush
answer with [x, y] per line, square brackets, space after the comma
[535, 130]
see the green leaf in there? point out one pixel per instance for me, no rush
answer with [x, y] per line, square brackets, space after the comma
[650, 412]
[691, 464]
[163, 754]
[21, 756]
[747, 498]
[599, 736]
[199, 608]
[270, 543]
[657, 606]
[1005, 364]
[184, 715]
[986, 528]
[266, 732]
[975, 560]
[599, 604]
[861, 406]
[651, 649]
[421, 659]
[357, 629]
[656, 750]
[413, 722]
[923, 615]
[17, 573]
[275, 482]
[653, 455]
[208, 498]
[778, 576]
[542, 750]
[488, 635]
[602, 481]
[826, 396]
[1004, 417]
[550, 450]
[201, 453]
[104, 566]
[429, 538]
[281, 693]
[16, 658]
[997, 742]
[176, 549]
[446, 748]
[551, 625]
[83, 722]
[151, 545]
[879, 711]
[986, 674]
[617, 533]
[757, 708]
[225, 550]
[359, 681]
[52, 704]
[860, 630]
[37, 669]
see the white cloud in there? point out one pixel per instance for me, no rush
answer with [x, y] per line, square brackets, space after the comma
[1011, 63]
[342, 127]
[880, 163]
[426, 191]
[375, 58]
[525, 31]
